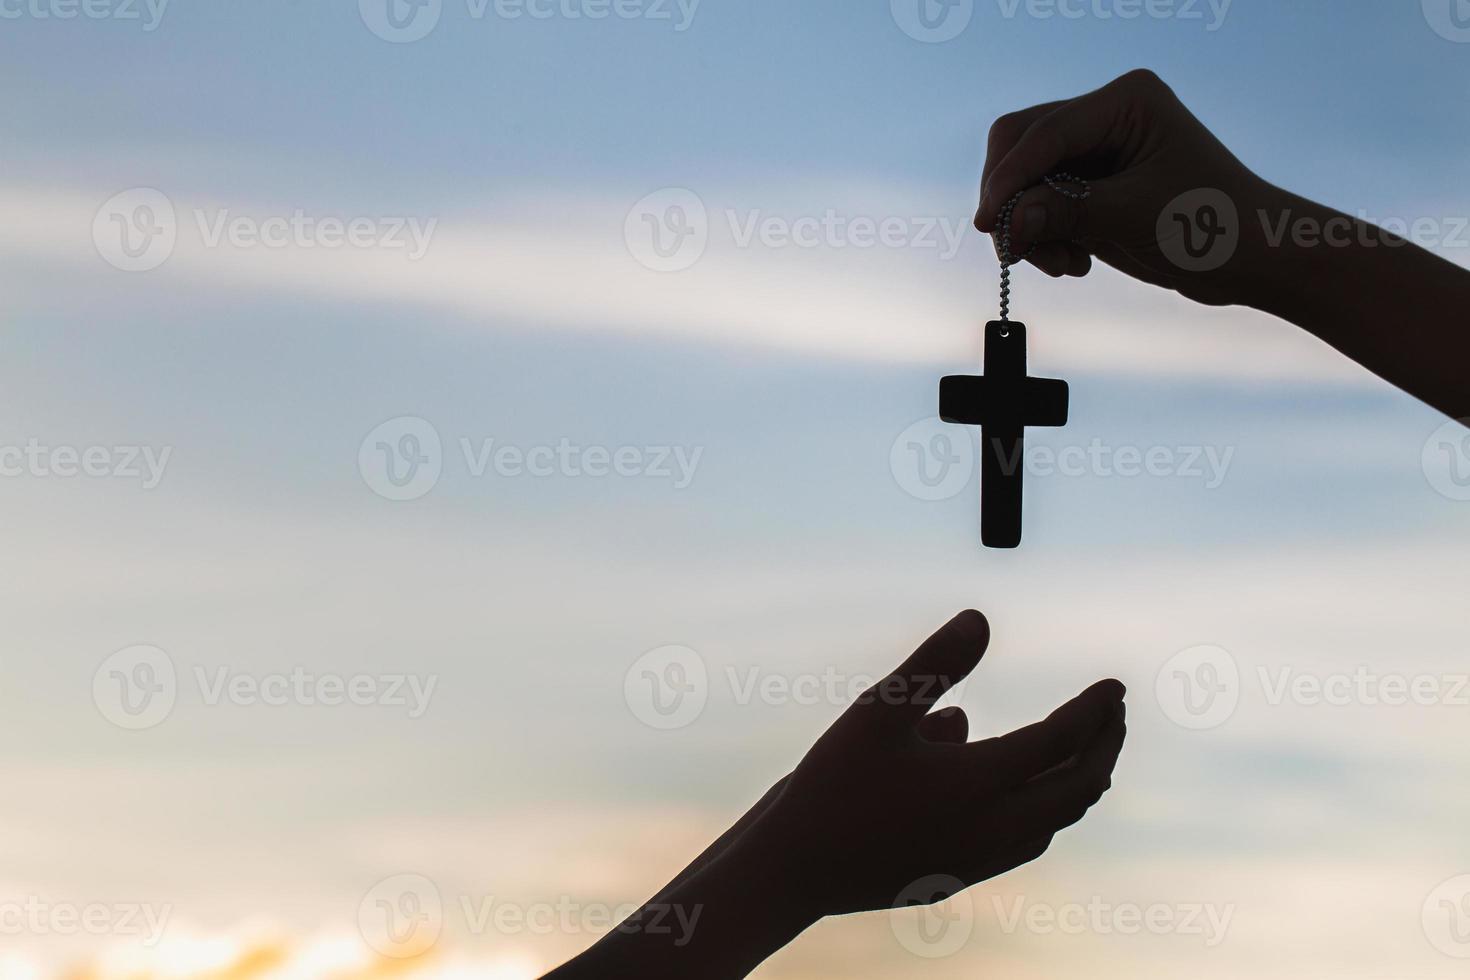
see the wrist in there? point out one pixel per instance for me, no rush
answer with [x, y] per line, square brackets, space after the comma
[1283, 262]
[771, 856]
[1259, 274]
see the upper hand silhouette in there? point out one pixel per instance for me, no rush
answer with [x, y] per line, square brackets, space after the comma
[1139, 148]
[1335, 275]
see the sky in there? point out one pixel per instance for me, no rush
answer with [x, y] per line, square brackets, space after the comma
[363, 456]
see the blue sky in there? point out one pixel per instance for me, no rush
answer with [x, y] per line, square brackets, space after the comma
[798, 547]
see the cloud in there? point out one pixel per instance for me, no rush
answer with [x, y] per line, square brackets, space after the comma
[563, 262]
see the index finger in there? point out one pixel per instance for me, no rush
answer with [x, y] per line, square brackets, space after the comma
[1005, 133]
[1071, 130]
[940, 662]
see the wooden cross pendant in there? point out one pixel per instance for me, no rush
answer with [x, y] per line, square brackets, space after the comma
[1002, 403]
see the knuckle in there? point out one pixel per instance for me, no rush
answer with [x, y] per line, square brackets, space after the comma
[1055, 742]
[1006, 129]
[1145, 82]
[1142, 78]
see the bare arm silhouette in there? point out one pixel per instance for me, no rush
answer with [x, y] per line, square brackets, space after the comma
[1393, 307]
[890, 794]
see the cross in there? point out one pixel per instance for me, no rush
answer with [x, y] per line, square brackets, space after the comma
[1002, 403]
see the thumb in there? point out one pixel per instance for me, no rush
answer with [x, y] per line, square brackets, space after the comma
[946, 725]
[1042, 215]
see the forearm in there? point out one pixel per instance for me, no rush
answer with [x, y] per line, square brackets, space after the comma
[724, 842]
[721, 921]
[1395, 308]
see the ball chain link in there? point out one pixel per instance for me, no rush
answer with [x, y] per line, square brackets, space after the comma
[1007, 257]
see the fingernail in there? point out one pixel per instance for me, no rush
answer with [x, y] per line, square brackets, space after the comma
[1033, 222]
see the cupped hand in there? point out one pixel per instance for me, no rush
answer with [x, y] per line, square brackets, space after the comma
[892, 794]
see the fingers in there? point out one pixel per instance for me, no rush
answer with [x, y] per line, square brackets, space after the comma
[1027, 752]
[1058, 259]
[1061, 798]
[947, 725]
[946, 658]
[1006, 132]
[992, 863]
[1043, 215]
[1072, 130]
